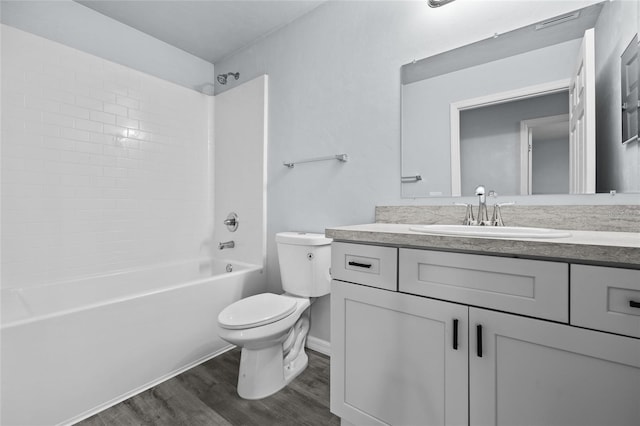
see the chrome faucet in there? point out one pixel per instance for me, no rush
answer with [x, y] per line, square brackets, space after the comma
[226, 244]
[468, 215]
[496, 218]
[483, 216]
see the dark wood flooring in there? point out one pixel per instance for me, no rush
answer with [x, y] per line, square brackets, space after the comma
[206, 395]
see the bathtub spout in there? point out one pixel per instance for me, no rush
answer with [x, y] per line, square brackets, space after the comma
[226, 244]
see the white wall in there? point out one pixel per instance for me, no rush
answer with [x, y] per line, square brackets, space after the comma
[240, 170]
[103, 167]
[334, 78]
[77, 26]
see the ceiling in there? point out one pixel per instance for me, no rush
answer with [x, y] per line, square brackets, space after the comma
[209, 29]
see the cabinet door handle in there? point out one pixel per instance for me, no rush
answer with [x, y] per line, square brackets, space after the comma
[360, 265]
[634, 304]
[455, 334]
[479, 339]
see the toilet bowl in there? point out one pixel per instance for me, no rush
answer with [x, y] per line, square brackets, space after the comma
[272, 328]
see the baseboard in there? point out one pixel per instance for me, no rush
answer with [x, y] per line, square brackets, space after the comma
[319, 345]
[143, 388]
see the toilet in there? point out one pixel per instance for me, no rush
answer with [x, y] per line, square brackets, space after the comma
[272, 328]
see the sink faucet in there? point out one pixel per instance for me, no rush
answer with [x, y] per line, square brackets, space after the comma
[227, 244]
[483, 216]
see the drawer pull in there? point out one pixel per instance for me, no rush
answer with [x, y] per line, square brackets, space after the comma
[634, 304]
[479, 338]
[360, 265]
[455, 334]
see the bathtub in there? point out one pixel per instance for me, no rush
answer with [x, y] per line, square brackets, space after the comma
[71, 349]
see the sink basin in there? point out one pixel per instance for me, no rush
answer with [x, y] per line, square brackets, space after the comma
[490, 231]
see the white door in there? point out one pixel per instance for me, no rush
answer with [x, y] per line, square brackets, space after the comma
[534, 372]
[582, 112]
[397, 359]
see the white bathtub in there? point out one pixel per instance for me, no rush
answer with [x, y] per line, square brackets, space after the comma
[73, 348]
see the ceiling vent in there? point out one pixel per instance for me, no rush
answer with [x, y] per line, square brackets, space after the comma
[557, 20]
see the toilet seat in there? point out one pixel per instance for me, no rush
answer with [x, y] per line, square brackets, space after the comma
[255, 311]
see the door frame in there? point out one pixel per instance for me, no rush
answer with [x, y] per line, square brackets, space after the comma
[487, 100]
[526, 129]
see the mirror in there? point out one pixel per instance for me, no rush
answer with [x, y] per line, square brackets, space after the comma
[500, 112]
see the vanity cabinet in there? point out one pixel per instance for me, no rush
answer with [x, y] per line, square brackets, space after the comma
[397, 359]
[474, 340]
[534, 372]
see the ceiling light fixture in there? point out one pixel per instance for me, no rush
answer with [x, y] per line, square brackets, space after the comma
[438, 3]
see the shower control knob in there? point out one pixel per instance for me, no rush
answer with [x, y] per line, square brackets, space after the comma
[231, 222]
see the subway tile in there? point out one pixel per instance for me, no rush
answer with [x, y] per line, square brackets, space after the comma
[88, 147]
[128, 102]
[91, 126]
[115, 109]
[41, 129]
[103, 117]
[89, 103]
[13, 163]
[128, 123]
[88, 80]
[58, 95]
[90, 175]
[115, 87]
[12, 98]
[103, 95]
[57, 119]
[102, 138]
[37, 103]
[75, 111]
[58, 143]
[75, 134]
[23, 114]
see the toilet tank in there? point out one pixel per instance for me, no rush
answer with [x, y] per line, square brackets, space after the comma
[304, 259]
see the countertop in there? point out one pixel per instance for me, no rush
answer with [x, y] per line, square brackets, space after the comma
[620, 249]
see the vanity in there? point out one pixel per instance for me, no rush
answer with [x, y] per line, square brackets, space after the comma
[454, 330]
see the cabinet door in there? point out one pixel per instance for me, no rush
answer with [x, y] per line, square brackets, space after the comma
[534, 372]
[393, 359]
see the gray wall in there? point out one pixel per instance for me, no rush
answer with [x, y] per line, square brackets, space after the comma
[550, 171]
[617, 165]
[334, 79]
[77, 26]
[490, 142]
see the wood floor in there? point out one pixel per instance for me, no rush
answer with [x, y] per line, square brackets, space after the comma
[206, 395]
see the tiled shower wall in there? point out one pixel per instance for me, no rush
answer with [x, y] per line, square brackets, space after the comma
[103, 168]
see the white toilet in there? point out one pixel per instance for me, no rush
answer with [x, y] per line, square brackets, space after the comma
[272, 329]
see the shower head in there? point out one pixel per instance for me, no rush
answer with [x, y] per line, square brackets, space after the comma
[222, 78]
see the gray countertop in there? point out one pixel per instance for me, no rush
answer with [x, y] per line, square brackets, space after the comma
[589, 247]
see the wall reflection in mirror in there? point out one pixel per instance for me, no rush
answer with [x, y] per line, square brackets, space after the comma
[551, 108]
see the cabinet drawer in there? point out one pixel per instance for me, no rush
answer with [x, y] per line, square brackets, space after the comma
[362, 264]
[606, 299]
[528, 287]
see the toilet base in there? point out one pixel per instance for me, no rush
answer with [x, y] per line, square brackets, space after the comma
[262, 372]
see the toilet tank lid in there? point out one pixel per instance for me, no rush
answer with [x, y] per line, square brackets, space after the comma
[302, 238]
